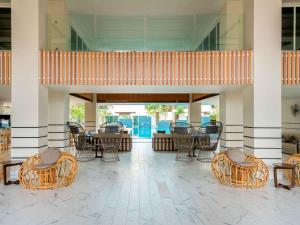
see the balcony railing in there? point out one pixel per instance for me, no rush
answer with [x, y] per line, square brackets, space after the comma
[290, 67]
[151, 68]
[5, 67]
[140, 68]
[146, 68]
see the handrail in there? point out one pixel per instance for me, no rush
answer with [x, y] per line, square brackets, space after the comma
[169, 68]
[290, 67]
[5, 67]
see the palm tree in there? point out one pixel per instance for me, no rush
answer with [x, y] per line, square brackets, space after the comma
[179, 110]
[153, 110]
[165, 109]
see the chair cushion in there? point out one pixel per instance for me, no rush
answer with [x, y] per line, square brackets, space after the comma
[112, 129]
[50, 156]
[213, 129]
[44, 165]
[180, 130]
[246, 164]
[236, 155]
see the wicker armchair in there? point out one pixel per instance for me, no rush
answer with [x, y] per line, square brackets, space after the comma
[207, 140]
[294, 160]
[5, 138]
[111, 127]
[48, 170]
[234, 168]
[80, 140]
[183, 143]
[110, 145]
[84, 150]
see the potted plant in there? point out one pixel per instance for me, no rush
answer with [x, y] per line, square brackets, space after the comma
[213, 118]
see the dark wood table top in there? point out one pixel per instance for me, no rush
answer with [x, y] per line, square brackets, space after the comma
[284, 166]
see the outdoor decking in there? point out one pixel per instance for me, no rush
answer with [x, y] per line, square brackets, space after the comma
[148, 187]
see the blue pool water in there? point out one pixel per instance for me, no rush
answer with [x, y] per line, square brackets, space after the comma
[142, 125]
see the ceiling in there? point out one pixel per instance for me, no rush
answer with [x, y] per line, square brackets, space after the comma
[144, 97]
[144, 7]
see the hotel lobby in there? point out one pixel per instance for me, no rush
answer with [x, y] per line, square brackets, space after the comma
[149, 112]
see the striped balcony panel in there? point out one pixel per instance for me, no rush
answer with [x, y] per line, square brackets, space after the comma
[5, 67]
[146, 68]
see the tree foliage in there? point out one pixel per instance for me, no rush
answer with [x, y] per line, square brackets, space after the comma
[77, 112]
[103, 111]
[179, 110]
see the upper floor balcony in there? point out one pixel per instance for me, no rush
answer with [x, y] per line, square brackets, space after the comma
[150, 68]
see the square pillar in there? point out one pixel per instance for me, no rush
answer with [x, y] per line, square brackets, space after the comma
[195, 113]
[58, 116]
[29, 98]
[91, 115]
[262, 100]
[231, 116]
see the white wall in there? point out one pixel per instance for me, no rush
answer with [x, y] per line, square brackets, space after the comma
[195, 113]
[58, 116]
[29, 98]
[262, 100]
[231, 115]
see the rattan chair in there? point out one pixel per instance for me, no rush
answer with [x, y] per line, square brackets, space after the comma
[183, 144]
[5, 139]
[234, 168]
[181, 128]
[111, 127]
[110, 145]
[84, 149]
[207, 140]
[294, 160]
[48, 170]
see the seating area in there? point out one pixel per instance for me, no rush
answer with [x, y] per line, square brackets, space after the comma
[157, 183]
[205, 139]
[149, 112]
[53, 168]
[110, 139]
[69, 171]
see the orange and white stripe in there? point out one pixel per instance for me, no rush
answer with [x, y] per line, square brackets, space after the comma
[5, 67]
[290, 67]
[150, 68]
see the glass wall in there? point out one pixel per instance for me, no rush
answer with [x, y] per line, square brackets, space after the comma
[212, 41]
[5, 28]
[146, 33]
[297, 25]
[77, 44]
[290, 28]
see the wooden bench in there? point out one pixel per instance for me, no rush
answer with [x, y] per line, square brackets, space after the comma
[163, 142]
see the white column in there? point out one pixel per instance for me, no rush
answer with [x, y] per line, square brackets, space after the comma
[29, 98]
[231, 115]
[262, 100]
[58, 116]
[195, 113]
[90, 115]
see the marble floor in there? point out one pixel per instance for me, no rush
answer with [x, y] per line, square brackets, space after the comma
[148, 187]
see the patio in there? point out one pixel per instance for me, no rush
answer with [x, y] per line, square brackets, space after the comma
[148, 187]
